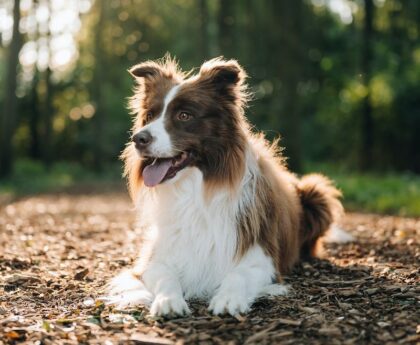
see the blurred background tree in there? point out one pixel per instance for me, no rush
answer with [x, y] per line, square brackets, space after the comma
[339, 80]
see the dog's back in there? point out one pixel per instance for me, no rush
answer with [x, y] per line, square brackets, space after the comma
[288, 215]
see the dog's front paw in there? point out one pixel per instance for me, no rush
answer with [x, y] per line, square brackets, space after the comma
[230, 303]
[164, 306]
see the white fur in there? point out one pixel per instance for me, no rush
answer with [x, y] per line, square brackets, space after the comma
[192, 241]
[338, 235]
[162, 144]
[128, 291]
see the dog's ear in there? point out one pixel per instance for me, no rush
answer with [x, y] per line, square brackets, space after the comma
[146, 69]
[223, 73]
[167, 68]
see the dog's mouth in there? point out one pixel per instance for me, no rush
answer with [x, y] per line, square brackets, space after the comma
[158, 170]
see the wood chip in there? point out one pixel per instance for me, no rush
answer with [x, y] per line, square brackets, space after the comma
[144, 339]
[80, 275]
[329, 331]
[343, 282]
[240, 317]
[309, 310]
[372, 291]
[283, 334]
[347, 292]
[290, 322]
[19, 278]
[383, 324]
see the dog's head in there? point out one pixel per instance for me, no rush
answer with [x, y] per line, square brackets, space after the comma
[185, 120]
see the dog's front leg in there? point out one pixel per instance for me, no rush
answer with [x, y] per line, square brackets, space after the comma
[247, 280]
[165, 286]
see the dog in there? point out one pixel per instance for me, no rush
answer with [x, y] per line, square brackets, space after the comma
[222, 218]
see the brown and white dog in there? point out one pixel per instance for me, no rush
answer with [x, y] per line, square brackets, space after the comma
[222, 217]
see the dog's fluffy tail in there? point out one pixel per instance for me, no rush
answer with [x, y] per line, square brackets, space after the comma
[321, 208]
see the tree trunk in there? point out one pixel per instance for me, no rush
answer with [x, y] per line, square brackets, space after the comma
[10, 114]
[48, 119]
[225, 25]
[97, 89]
[34, 118]
[48, 107]
[212, 38]
[288, 23]
[35, 149]
[367, 123]
[204, 22]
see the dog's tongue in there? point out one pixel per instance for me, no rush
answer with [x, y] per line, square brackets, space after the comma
[154, 173]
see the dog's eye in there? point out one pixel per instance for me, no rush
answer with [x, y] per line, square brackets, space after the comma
[184, 116]
[149, 115]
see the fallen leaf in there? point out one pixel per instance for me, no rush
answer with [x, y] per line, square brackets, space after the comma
[17, 334]
[12, 335]
[46, 325]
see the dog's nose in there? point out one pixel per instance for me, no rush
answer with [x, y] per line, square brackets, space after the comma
[142, 139]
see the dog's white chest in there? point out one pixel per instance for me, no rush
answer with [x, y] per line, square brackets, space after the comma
[196, 239]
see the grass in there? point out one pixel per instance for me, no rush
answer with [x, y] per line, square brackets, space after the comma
[390, 193]
[31, 177]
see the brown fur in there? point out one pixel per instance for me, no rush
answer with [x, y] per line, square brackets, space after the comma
[287, 216]
[321, 207]
[215, 93]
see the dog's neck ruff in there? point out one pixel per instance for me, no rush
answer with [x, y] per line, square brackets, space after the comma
[199, 230]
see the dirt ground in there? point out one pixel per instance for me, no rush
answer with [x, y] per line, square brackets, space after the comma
[58, 251]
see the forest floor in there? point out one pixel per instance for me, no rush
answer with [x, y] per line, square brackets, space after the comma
[57, 251]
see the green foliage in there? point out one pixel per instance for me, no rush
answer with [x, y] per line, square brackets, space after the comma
[392, 193]
[375, 192]
[33, 177]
